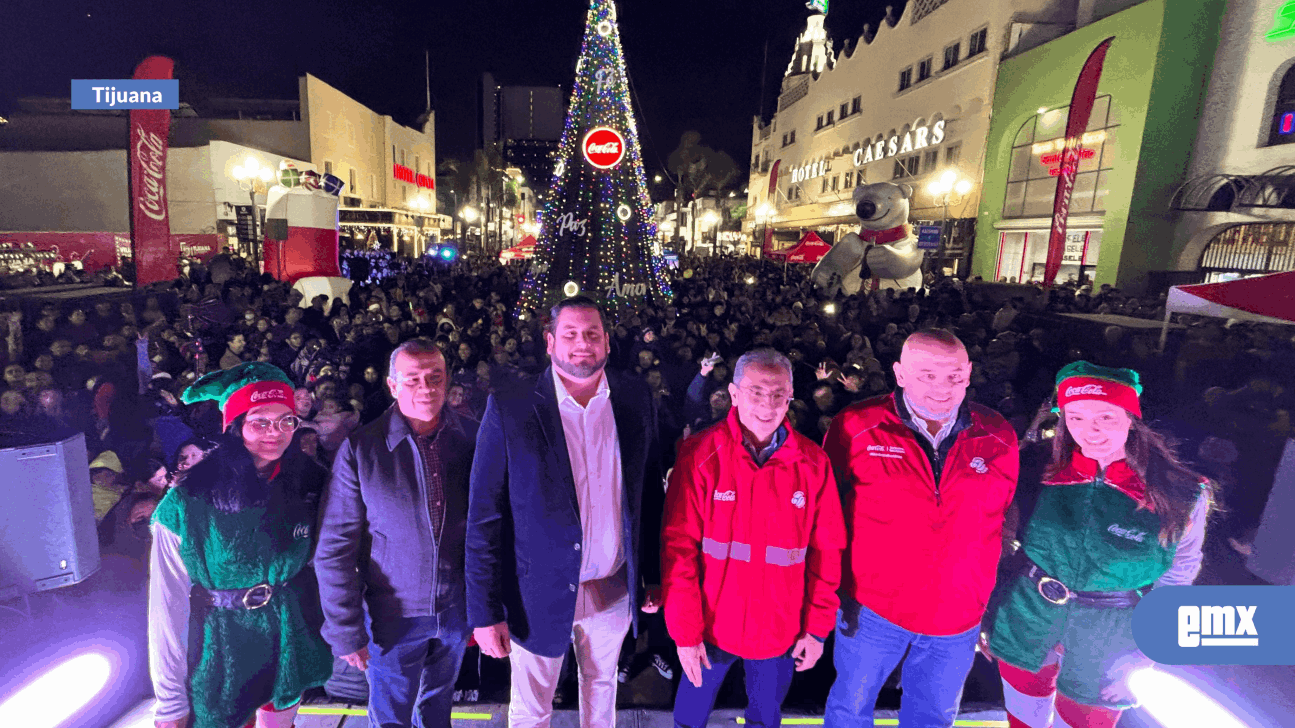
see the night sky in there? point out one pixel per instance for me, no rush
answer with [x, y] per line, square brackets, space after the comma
[695, 64]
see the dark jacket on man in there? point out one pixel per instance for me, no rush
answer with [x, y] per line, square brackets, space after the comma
[524, 531]
[376, 540]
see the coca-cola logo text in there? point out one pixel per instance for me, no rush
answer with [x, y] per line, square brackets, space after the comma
[150, 155]
[268, 394]
[1087, 389]
[604, 147]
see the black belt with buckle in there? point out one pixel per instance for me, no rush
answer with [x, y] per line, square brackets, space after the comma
[251, 598]
[1058, 593]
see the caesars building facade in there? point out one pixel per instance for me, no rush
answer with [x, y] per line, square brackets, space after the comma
[906, 103]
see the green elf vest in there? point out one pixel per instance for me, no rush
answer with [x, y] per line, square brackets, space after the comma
[1088, 532]
[241, 659]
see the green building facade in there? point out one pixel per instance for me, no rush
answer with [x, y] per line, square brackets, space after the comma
[1135, 151]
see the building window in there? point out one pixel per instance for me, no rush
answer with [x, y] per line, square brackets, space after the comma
[856, 105]
[907, 166]
[418, 168]
[792, 137]
[328, 167]
[845, 110]
[860, 178]
[847, 180]
[931, 160]
[824, 185]
[1283, 117]
[830, 117]
[1036, 163]
[951, 55]
[976, 44]
[951, 153]
[354, 189]
[924, 69]
[1249, 249]
[819, 124]
[835, 182]
[905, 78]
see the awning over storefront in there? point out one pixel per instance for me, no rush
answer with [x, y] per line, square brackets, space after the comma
[1223, 192]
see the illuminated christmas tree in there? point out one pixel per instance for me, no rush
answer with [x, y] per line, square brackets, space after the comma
[597, 237]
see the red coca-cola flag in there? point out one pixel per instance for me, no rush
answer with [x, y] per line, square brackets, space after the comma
[150, 227]
[1081, 107]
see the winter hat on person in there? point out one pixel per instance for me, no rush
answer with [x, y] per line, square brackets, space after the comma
[241, 388]
[1083, 380]
[108, 460]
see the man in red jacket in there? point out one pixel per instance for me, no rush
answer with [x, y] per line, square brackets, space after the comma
[751, 548]
[925, 479]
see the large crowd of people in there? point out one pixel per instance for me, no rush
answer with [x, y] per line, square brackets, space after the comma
[123, 374]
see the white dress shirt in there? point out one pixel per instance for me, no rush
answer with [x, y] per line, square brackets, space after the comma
[596, 469]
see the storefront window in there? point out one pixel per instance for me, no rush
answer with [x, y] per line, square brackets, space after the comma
[1022, 256]
[1250, 249]
[1036, 161]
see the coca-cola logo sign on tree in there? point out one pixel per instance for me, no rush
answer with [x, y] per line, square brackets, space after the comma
[603, 147]
[150, 153]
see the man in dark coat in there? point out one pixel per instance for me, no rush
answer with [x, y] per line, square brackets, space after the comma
[564, 521]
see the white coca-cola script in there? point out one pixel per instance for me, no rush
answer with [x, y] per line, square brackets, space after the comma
[268, 394]
[150, 152]
[1086, 389]
[607, 148]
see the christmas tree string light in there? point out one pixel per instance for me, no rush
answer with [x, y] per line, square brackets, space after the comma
[596, 235]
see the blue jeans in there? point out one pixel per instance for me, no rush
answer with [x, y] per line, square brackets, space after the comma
[867, 650]
[767, 683]
[413, 664]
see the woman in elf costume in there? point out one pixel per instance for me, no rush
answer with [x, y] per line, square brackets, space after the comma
[1117, 513]
[237, 532]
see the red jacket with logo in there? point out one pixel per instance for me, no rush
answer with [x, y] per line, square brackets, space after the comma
[750, 556]
[921, 555]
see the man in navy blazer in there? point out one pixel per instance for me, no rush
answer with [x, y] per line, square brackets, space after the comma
[561, 540]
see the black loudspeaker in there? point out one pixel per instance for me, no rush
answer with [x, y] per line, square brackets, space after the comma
[47, 528]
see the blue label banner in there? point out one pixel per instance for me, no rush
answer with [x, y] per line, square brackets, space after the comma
[928, 237]
[125, 93]
[1217, 625]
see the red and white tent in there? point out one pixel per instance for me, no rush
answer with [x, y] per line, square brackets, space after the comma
[1267, 299]
[523, 250]
[810, 249]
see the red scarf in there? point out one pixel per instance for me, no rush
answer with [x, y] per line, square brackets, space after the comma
[882, 237]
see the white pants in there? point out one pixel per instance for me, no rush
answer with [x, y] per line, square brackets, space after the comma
[601, 622]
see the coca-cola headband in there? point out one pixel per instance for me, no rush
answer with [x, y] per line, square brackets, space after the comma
[1087, 381]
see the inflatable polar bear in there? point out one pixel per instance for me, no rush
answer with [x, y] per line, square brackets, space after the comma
[885, 250]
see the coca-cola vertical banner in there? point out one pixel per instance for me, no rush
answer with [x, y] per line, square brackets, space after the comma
[1081, 107]
[766, 245]
[150, 226]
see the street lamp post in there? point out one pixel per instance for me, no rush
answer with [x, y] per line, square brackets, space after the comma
[253, 178]
[467, 215]
[948, 184]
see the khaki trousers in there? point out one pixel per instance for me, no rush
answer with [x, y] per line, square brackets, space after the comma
[601, 623]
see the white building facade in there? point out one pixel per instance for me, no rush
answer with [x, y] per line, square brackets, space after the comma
[906, 103]
[1238, 204]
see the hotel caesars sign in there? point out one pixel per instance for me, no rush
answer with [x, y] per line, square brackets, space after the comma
[918, 138]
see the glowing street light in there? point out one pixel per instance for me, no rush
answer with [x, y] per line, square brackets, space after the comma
[468, 214]
[253, 178]
[656, 178]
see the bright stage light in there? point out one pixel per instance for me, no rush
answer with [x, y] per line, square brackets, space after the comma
[570, 289]
[56, 695]
[1175, 703]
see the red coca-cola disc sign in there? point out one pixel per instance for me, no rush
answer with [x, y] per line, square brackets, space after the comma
[604, 147]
